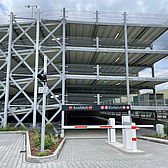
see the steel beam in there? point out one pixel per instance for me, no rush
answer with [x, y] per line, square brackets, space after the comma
[149, 108]
[116, 50]
[94, 49]
[119, 78]
[8, 70]
[119, 24]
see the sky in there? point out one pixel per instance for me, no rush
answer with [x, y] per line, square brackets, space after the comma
[137, 6]
[145, 6]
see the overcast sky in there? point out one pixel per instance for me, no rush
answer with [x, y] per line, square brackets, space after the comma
[138, 6]
[147, 6]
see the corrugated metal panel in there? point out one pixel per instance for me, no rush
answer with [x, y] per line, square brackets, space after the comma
[102, 31]
[113, 58]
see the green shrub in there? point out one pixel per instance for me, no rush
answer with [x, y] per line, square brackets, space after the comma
[48, 143]
[37, 139]
[49, 128]
[50, 140]
[153, 136]
[8, 128]
[59, 135]
[54, 138]
[42, 154]
[31, 130]
[22, 128]
[11, 128]
[166, 129]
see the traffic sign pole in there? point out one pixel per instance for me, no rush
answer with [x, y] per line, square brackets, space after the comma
[44, 107]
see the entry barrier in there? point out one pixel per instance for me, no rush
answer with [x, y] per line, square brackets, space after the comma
[128, 132]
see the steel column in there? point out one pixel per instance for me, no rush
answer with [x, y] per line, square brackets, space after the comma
[8, 70]
[126, 61]
[63, 71]
[154, 89]
[154, 93]
[36, 69]
[98, 99]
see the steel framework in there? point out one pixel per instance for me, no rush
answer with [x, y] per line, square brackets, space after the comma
[26, 42]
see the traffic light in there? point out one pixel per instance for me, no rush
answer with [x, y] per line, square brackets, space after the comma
[42, 77]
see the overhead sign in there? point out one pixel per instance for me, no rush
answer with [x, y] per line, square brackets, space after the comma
[96, 107]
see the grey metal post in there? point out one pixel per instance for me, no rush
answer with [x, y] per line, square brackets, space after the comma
[63, 72]
[8, 70]
[44, 106]
[36, 70]
[126, 61]
[98, 71]
[154, 93]
[98, 99]
[139, 103]
[97, 43]
[154, 90]
[97, 17]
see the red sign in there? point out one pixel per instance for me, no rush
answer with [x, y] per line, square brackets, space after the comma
[106, 107]
[133, 127]
[102, 107]
[128, 107]
[90, 107]
[70, 107]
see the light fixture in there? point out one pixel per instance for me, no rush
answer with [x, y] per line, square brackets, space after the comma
[27, 6]
[117, 35]
[56, 39]
[55, 96]
[117, 59]
[32, 6]
[118, 84]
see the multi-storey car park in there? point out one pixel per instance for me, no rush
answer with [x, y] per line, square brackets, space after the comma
[91, 57]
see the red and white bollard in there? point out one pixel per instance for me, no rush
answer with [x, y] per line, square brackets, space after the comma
[134, 138]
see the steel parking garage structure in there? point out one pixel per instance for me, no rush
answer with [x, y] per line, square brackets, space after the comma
[88, 55]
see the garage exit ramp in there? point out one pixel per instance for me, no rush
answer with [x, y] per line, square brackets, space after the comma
[128, 132]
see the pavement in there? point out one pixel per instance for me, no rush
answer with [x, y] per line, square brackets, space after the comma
[84, 153]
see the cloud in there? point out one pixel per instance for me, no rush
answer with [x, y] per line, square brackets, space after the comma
[3, 9]
[162, 86]
[145, 6]
[146, 73]
[162, 73]
[159, 72]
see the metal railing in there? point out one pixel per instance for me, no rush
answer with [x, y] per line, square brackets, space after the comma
[93, 16]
